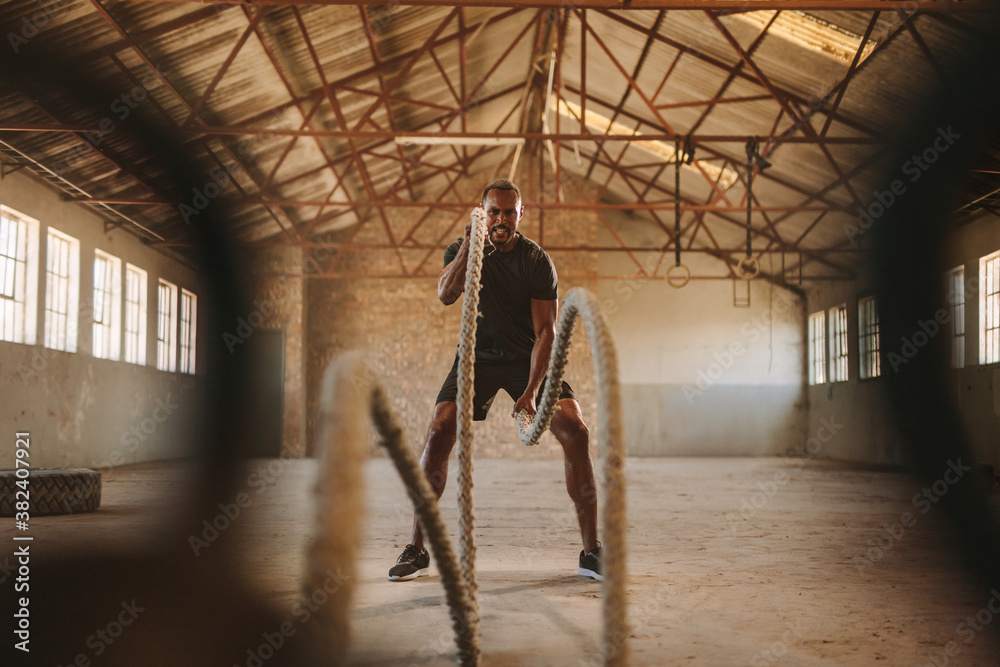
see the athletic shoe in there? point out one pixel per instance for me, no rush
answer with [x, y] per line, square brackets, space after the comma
[590, 564]
[412, 563]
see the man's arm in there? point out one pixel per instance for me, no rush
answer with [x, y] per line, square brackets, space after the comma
[543, 319]
[451, 281]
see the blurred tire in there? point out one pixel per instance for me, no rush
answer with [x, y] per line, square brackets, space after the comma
[52, 491]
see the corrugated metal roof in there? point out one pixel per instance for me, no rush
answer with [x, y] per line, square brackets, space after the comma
[272, 81]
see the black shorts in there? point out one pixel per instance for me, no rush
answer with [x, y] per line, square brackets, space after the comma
[512, 377]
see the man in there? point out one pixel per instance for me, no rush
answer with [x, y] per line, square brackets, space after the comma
[519, 301]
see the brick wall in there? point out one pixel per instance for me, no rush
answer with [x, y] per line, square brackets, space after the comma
[410, 337]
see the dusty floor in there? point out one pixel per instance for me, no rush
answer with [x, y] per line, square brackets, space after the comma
[804, 572]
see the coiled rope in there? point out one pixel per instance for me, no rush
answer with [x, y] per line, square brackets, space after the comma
[340, 492]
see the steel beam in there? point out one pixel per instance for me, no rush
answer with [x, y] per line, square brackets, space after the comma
[387, 135]
[728, 6]
[851, 70]
[333, 245]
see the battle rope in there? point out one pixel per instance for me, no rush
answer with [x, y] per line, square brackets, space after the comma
[581, 303]
[347, 395]
[578, 303]
[466, 373]
[339, 483]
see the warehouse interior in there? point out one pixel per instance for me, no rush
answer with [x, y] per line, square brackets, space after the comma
[718, 174]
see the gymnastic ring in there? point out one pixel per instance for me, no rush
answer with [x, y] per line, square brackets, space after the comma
[678, 281]
[748, 273]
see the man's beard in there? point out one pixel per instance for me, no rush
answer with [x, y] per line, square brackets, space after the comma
[493, 241]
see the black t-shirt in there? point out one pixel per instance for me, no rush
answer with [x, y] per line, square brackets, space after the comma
[510, 281]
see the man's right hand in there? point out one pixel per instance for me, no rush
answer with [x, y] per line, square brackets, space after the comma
[451, 281]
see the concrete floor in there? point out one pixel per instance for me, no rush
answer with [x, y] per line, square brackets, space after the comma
[802, 573]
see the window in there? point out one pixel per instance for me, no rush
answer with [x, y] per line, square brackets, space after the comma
[107, 306]
[956, 305]
[989, 309]
[838, 343]
[868, 340]
[166, 327]
[62, 291]
[817, 348]
[189, 329]
[18, 271]
[135, 315]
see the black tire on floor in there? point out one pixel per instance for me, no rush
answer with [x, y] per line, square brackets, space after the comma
[51, 491]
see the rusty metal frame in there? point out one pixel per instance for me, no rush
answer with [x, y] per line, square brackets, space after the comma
[366, 141]
[945, 6]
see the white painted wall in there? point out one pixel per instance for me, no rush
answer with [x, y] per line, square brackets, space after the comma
[702, 377]
[857, 406]
[867, 435]
[82, 411]
[976, 388]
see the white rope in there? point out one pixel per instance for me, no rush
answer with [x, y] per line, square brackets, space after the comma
[580, 303]
[466, 383]
[347, 395]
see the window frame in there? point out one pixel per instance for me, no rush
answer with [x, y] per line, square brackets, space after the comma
[817, 346]
[23, 308]
[989, 308]
[141, 317]
[839, 354]
[955, 291]
[869, 339]
[166, 325]
[70, 332]
[188, 333]
[111, 350]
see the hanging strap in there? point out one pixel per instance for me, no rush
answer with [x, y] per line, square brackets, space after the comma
[677, 201]
[751, 151]
[679, 279]
[748, 266]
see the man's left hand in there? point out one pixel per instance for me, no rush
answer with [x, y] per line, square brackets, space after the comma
[526, 403]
